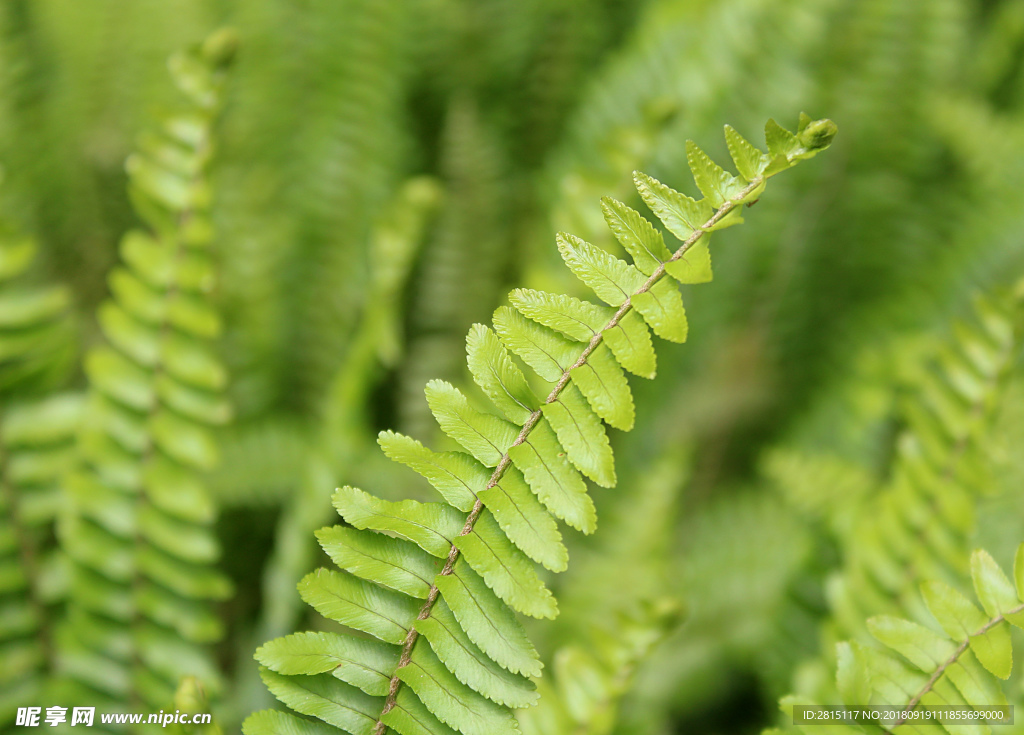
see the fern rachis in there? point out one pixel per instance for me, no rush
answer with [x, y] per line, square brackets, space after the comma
[519, 471]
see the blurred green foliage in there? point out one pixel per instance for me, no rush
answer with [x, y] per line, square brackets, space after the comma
[384, 172]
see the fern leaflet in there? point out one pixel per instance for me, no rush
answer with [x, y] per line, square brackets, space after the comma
[456, 573]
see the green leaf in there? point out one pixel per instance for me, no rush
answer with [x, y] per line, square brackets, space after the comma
[199, 405]
[630, 342]
[994, 590]
[679, 213]
[469, 664]
[750, 162]
[644, 244]
[362, 662]
[963, 621]
[781, 142]
[613, 280]
[16, 257]
[541, 460]
[487, 621]
[604, 384]
[456, 476]
[184, 441]
[166, 187]
[350, 601]
[275, 722]
[176, 490]
[138, 341]
[974, 683]
[852, 680]
[662, 308]
[525, 521]
[499, 377]
[485, 436]
[695, 264]
[505, 569]
[581, 433]
[154, 263]
[451, 701]
[578, 320]
[193, 362]
[431, 526]
[712, 180]
[894, 681]
[193, 620]
[188, 580]
[194, 316]
[386, 561]
[582, 684]
[24, 308]
[548, 353]
[120, 378]
[327, 699]
[138, 298]
[411, 717]
[184, 540]
[919, 645]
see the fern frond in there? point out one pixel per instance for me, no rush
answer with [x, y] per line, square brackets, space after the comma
[920, 522]
[958, 662]
[36, 348]
[138, 531]
[588, 681]
[36, 448]
[483, 575]
[36, 339]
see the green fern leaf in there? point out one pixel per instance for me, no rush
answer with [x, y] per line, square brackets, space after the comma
[497, 522]
[499, 377]
[410, 717]
[962, 620]
[549, 354]
[356, 661]
[485, 436]
[505, 569]
[470, 665]
[391, 562]
[781, 142]
[431, 526]
[456, 476]
[680, 214]
[994, 590]
[326, 698]
[525, 521]
[451, 701]
[641, 240]
[139, 524]
[613, 280]
[750, 162]
[273, 722]
[351, 601]
[488, 623]
[712, 180]
[577, 320]
[560, 488]
[582, 434]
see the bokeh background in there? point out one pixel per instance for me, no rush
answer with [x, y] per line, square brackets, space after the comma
[386, 170]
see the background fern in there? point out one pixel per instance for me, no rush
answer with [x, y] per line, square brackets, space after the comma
[136, 616]
[451, 140]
